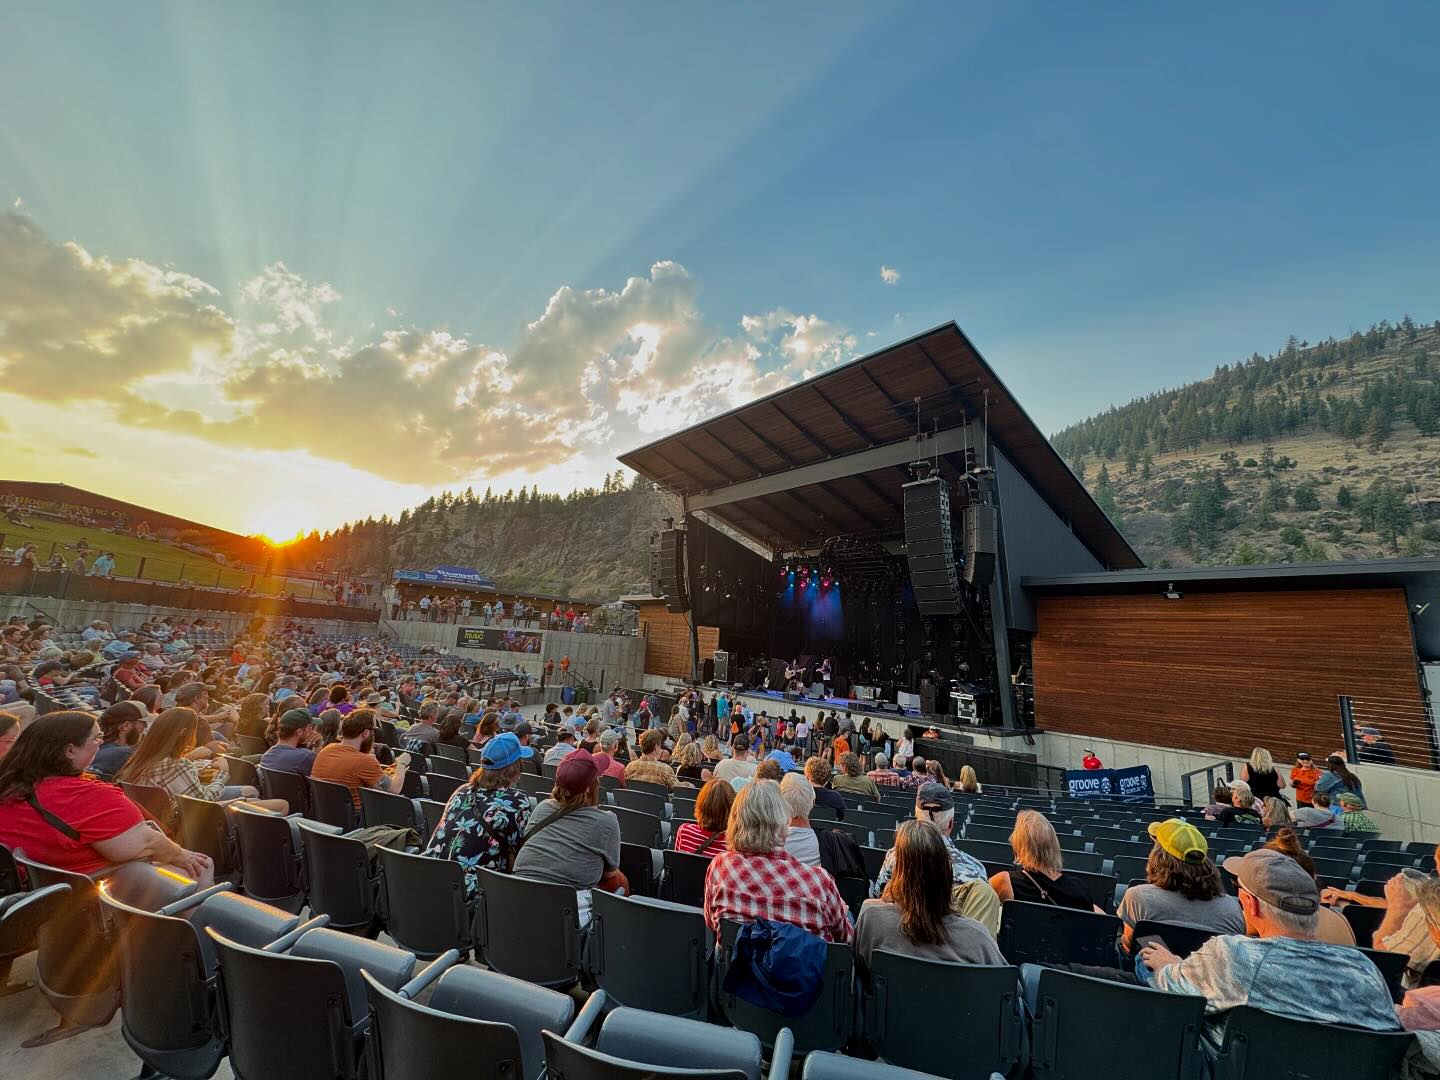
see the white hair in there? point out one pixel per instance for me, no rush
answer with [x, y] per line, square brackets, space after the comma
[881, 761]
[918, 765]
[799, 795]
[608, 738]
[1291, 921]
[941, 819]
[759, 820]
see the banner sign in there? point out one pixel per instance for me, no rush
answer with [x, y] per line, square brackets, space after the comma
[1133, 783]
[446, 575]
[492, 637]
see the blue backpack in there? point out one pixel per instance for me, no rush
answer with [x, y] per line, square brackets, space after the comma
[776, 966]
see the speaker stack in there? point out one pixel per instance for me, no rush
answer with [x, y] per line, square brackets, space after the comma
[930, 547]
[671, 546]
[980, 544]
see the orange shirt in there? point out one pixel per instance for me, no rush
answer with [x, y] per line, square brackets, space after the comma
[842, 747]
[341, 764]
[1302, 779]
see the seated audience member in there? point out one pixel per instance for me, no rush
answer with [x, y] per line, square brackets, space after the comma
[1182, 885]
[1333, 927]
[1219, 798]
[121, 726]
[1353, 818]
[485, 817]
[564, 746]
[328, 724]
[756, 878]
[706, 834]
[1275, 812]
[913, 916]
[882, 775]
[42, 775]
[740, 766]
[611, 742]
[449, 729]
[971, 895]
[968, 782]
[1240, 811]
[9, 732]
[254, 716]
[769, 770]
[570, 840]
[1318, 815]
[694, 769]
[800, 839]
[423, 735]
[161, 760]
[1040, 877]
[351, 760]
[817, 771]
[852, 778]
[648, 768]
[290, 754]
[1420, 1011]
[1280, 967]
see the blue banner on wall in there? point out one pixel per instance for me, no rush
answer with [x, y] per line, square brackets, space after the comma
[1133, 783]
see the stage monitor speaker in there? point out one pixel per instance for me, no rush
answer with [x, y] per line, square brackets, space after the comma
[930, 547]
[981, 541]
[722, 666]
[672, 570]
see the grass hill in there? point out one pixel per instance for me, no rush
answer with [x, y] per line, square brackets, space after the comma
[589, 544]
[1318, 451]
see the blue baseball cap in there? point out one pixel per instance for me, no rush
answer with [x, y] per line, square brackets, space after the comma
[504, 750]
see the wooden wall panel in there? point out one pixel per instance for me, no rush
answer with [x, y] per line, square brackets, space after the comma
[667, 641]
[1226, 672]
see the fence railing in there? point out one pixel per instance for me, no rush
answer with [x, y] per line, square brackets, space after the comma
[1388, 731]
[1210, 771]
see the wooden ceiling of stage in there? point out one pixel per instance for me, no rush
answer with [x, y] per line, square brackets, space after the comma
[866, 403]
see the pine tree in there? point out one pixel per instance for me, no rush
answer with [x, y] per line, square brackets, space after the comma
[1344, 498]
[1378, 427]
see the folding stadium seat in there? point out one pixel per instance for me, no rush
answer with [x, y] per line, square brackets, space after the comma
[954, 1020]
[1089, 862]
[155, 801]
[549, 953]
[1075, 1035]
[994, 821]
[1391, 966]
[1180, 940]
[206, 827]
[331, 803]
[1121, 847]
[637, 827]
[422, 903]
[1256, 1045]
[77, 967]
[653, 789]
[994, 834]
[338, 880]
[538, 786]
[271, 855]
[861, 834]
[644, 801]
[643, 867]
[457, 754]
[1100, 888]
[242, 773]
[817, 813]
[382, 808]
[22, 914]
[682, 807]
[822, 1066]
[250, 745]
[278, 784]
[1394, 861]
[487, 1025]
[987, 851]
[440, 787]
[874, 859]
[1047, 934]
[829, 1023]
[1127, 868]
[1424, 848]
[636, 1045]
[1338, 869]
[684, 881]
[649, 954]
[431, 812]
[167, 963]
[302, 1013]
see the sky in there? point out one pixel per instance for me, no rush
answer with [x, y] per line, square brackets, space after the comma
[276, 266]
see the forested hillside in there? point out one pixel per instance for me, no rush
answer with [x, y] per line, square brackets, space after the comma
[590, 544]
[1323, 451]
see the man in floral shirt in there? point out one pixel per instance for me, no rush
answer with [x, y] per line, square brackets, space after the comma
[485, 818]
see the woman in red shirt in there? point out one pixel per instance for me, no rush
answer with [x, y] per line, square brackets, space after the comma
[60, 818]
[706, 834]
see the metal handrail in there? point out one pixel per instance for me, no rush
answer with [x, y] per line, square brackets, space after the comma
[1228, 767]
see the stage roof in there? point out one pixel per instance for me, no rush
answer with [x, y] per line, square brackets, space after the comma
[827, 456]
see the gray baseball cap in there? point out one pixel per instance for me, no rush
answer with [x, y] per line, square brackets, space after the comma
[934, 797]
[1277, 879]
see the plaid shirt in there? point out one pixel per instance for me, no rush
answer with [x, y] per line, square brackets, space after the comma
[181, 776]
[886, 778]
[776, 886]
[650, 771]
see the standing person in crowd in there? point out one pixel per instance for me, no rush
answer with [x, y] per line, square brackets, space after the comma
[706, 834]
[121, 726]
[43, 774]
[1182, 886]
[570, 840]
[351, 761]
[852, 777]
[914, 916]
[1337, 780]
[1260, 773]
[756, 878]
[971, 895]
[485, 818]
[1039, 876]
[1374, 750]
[1303, 776]
[1281, 967]
[161, 760]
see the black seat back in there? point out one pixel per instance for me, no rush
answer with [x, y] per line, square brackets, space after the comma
[685, 876]
[382, 808]
[1180, 940]
[204, 826]
[338, 880]
[422, 903]
[1047, 934]
[332, 804]
[270, 853]
[1256, 1045]
[551, 954]
[920, 1013]
[649, 954]
[278, 784]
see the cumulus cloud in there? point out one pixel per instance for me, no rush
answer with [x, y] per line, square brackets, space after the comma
[79, 451]
[594, 372]
[889, 275]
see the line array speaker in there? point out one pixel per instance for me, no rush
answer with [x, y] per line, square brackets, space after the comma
[981, 538]
[930, 547]
[657, 588]
[672, 570]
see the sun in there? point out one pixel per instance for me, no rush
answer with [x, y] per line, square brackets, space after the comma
[279, 522]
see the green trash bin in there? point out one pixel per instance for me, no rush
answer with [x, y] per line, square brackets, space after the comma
[582, 695]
